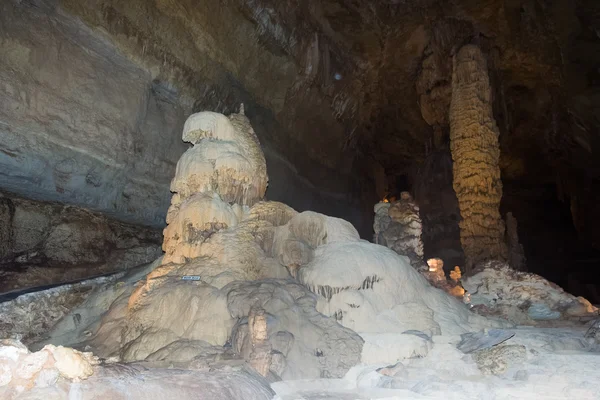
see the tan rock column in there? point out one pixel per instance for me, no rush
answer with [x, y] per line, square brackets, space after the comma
[476, 152]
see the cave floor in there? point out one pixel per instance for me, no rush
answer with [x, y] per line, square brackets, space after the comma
[557, 364]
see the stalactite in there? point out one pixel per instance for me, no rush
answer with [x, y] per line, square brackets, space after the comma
[476, 153]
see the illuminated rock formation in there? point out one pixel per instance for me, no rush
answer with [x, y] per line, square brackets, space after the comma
[398, 226]
[215, 181]
[497, 289]
[476, 153]
[370, 288]
[227, 277]
[21, 370]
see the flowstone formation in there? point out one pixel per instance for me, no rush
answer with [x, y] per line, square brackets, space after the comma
[523, 298]
[476, 153]
[293, 295]
[215, 181]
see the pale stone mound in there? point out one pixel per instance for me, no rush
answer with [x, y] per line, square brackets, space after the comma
[294, 243]
[31, 315]
[227, 277]
[497, 289]
[368, 288]
[303, 342]
[21, 370]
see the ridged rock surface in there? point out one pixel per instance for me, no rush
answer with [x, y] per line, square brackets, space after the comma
[476, 155]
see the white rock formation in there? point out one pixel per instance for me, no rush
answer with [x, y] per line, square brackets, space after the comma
[225, 165]
[370, 288]
[310, 344]
[21, 370]
[57, 373]
[227, 277]
[497, 289]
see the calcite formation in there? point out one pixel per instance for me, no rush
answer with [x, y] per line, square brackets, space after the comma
[524, 298]
[215, 181]
[260, 356]
[22, 370]
[289, 292]
[476, 153]
[370, 288]
[400, 228]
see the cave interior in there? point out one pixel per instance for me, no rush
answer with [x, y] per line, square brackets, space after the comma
[353, 103]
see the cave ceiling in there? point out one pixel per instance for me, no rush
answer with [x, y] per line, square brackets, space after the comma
[544, 58]
[354, 79]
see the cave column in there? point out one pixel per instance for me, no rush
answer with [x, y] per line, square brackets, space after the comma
[476, 152]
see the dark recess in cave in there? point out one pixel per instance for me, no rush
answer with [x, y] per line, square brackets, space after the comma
[553, 247]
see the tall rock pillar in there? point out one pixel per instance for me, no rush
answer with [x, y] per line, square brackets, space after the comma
[476, 152]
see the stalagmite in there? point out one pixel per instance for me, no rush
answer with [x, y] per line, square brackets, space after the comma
[516, 253]
[476, 153]
[260, 357]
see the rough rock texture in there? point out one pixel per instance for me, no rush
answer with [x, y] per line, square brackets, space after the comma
[497, 289]
[81, 123]
[57, 373]
[29, 316]
[593, 332]
[476, 155]
[403, 235]
[381, 221]
[398, 226]
[48, 243]
[497, 360]
[94, 97]
[311, 344]
[22, 371]
[261, 355]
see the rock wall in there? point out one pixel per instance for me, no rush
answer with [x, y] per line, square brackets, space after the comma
[288, 186]
[93, 99]
[80, 123]
[49, 243]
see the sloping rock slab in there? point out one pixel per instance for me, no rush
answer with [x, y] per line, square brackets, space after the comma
[133, 382]
[485, 339]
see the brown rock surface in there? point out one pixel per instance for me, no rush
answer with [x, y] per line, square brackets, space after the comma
[476, 154]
